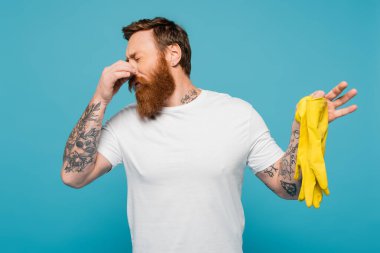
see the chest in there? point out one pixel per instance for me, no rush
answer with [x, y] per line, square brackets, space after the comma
[203, 149]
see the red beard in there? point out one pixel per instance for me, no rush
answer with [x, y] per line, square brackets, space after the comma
[151, 94]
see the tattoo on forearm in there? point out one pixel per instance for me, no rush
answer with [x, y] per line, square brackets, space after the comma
[288, 165]
[285, 168]
[81, 147]
[290, 188]
[296, 134]
[288, 162]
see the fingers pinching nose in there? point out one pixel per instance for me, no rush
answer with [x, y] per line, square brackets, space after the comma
[318, 94]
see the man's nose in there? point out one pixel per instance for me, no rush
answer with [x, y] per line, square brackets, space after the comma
[134, 66]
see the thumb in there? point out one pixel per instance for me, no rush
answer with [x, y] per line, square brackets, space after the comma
[118, 84]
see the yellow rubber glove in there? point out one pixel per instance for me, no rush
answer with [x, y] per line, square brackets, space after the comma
[308, 185]
[312, 115]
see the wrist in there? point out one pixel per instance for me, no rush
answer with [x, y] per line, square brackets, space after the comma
[97, 98]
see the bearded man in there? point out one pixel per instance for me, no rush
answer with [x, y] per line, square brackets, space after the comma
[184, 148]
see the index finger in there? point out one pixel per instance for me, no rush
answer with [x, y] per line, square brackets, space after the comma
[123, 66]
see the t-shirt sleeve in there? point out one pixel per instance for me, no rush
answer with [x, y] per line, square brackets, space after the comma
[108, 145]
[263, 150]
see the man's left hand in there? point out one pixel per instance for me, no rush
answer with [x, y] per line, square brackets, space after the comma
[332, 105]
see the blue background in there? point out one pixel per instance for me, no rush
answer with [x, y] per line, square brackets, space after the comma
[269, 53]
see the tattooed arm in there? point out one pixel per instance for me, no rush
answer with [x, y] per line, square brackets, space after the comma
[80, 152]
[279, 177]
[81, 161]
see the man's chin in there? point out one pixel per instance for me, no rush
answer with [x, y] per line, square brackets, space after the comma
[146, 110]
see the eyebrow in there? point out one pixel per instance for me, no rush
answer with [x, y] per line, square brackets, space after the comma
[133, 55]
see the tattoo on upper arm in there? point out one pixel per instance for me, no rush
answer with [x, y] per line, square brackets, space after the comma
[271, 171]
[81, 147]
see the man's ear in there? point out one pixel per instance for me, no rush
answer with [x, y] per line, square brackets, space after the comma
[173, 55]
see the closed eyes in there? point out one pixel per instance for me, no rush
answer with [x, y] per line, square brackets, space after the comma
[136, 59]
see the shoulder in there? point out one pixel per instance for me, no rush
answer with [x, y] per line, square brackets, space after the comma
[230, 102]
[126, 113]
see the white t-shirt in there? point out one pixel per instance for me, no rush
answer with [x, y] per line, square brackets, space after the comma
[185, 171]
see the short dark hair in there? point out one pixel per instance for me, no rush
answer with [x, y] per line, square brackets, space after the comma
[166, 33]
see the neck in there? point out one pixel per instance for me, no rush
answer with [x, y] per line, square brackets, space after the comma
[184, 91]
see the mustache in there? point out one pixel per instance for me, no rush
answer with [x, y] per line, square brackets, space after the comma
[134, 80]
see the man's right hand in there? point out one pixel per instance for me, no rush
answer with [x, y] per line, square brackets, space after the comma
[112, 78]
